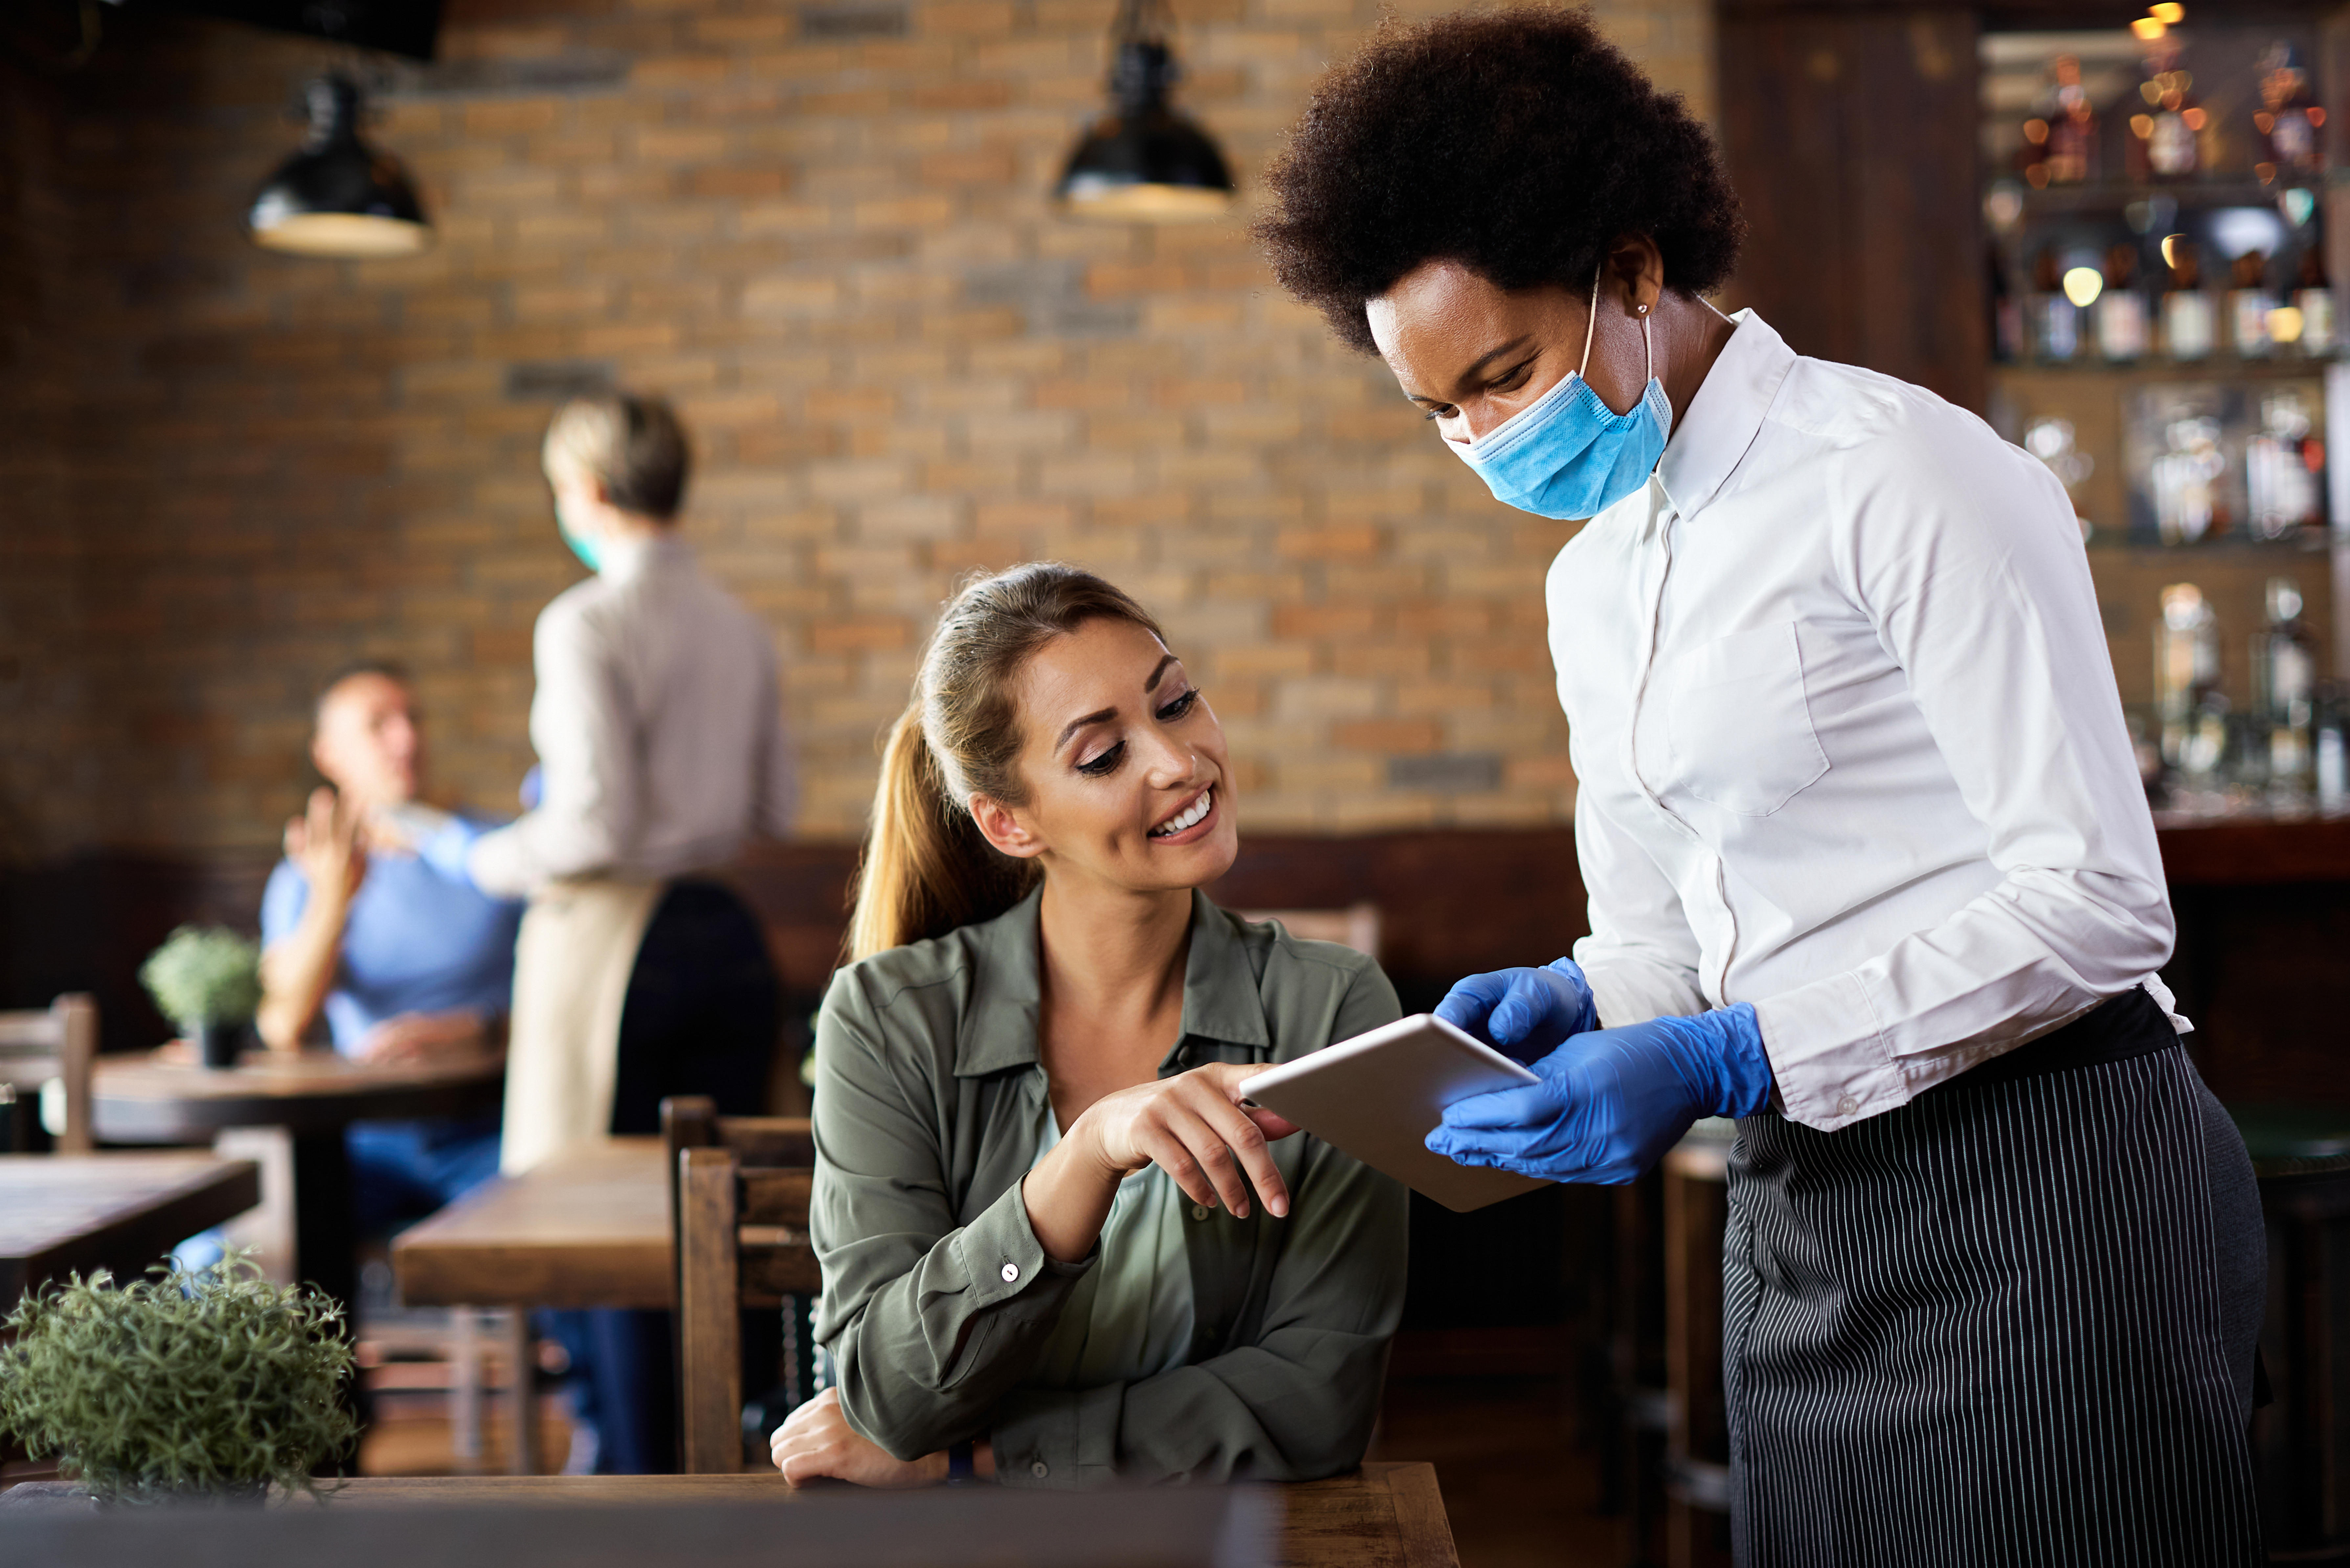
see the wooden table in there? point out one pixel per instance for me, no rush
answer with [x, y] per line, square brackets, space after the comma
[589, 1226]
[1384, 1515]
[63, 1212]
[313, 1095]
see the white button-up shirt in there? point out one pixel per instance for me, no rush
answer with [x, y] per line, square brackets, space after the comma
[1848, 738]
[659, 727]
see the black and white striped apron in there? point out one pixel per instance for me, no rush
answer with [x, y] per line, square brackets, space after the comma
[2010, 1323]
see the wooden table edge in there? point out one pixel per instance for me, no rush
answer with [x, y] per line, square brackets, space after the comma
[212, 1195]
[1423, 1533]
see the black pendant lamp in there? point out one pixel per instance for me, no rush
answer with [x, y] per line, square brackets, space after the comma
[338, 196]
[1142, 163]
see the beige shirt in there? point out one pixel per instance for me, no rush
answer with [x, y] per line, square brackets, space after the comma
[659, 727]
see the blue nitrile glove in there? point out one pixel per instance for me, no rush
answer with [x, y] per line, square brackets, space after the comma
[446, 849]
[1612, 1100]
[1526, 1014]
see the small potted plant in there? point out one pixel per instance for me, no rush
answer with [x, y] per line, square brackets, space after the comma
[181, 1386]
[209, 982]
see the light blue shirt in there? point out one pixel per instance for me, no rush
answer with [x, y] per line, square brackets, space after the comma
[414, 942]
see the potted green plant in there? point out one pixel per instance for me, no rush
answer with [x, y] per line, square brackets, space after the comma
[209, 982]
[204, 1386]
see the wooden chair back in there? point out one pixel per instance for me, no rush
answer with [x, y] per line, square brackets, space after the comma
[739, 1191]
[58, 1041]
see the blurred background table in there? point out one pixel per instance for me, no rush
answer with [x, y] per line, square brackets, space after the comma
[146, 1098]
[60, 1213]
[587, 1228]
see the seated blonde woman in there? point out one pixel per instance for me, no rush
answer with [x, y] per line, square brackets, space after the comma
[1060, 1247]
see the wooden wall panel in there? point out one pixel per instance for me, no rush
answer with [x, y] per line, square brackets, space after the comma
[1851, 138]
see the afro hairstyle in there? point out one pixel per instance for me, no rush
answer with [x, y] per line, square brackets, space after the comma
[1518, 143]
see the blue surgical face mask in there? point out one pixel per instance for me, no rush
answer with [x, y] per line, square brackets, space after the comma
[590, 553]
[1568, 454]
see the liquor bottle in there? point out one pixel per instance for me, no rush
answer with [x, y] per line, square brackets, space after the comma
[2032, 158]
[2332, 752]
[2187, 505]
[2071, 127]
[2285, 691]
[2314, 300]
[2186, 680]
[2121, 309]
[2282, 468]
[2248, 304]
[2169, 135]
[2186, 308]
[2006, 313]
[2289, 120]
[2055, 320]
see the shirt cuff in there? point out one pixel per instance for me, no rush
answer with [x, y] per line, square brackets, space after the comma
[1625, 994]
[1002, 1259]
[1830, 1057]
[493, 861]
[1049, 1438]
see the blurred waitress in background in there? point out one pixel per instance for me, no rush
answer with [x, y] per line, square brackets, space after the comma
[658, 725]
[1868, 861]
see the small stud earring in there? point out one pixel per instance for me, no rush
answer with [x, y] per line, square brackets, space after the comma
[1642, 309]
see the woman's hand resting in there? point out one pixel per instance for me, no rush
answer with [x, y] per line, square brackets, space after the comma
[816, 1441]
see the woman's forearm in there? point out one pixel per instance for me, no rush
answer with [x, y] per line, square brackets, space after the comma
[1069, 1195]
[296, 973]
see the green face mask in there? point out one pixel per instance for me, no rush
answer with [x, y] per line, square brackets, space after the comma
[592, 557]
[590, 553]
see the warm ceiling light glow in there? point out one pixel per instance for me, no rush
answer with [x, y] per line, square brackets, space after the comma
[358, 235]
[2148, 28]
[2284, 324]
[1143, 202]
[2169, 13]
[2082, 285]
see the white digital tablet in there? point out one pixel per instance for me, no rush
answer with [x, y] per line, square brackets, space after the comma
[1379, 1095]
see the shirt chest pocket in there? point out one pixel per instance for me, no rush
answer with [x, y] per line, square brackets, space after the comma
[1739, 728]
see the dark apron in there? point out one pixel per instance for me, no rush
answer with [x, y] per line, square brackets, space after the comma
[2010, 1323]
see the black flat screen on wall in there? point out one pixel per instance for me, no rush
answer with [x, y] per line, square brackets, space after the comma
[401, 26]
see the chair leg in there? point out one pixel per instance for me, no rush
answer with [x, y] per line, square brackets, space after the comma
[465, 1388]
[522, 1407]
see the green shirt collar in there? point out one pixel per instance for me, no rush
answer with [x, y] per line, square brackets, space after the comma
[998, 1027]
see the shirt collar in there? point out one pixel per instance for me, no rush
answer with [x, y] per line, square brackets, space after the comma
[632, 556]
[1726, 414]
[999, 1025]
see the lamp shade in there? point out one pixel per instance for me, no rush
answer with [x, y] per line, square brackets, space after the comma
[1143, 163]
[338, 196]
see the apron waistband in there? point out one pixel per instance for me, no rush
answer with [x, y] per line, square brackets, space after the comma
[2117, 1030]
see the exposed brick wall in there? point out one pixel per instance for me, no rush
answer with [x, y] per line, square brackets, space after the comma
[839, 256]
[48, 760]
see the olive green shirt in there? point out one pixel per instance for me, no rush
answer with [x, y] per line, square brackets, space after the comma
[938, 1298]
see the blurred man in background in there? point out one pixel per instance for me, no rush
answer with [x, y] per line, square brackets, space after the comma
[406, 962]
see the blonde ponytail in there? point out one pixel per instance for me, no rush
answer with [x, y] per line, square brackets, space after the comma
[926, 868]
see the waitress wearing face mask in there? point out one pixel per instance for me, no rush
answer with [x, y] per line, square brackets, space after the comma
[658, 725]
[1869, 865]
